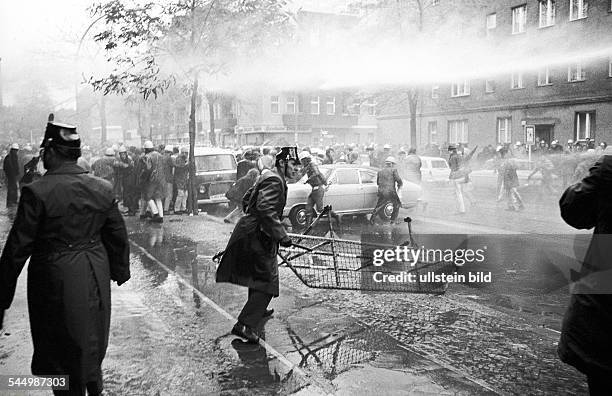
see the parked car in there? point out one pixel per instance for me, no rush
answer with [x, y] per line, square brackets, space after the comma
[352, 190]
[215, 174]
[434, 170]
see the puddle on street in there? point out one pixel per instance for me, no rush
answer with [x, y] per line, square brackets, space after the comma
[247, 368]
[357, 354]
[251, 367]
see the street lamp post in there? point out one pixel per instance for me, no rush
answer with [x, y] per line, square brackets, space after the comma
[76, 71]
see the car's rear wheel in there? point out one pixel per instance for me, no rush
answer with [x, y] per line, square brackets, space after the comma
[297, 216]
[387, 211]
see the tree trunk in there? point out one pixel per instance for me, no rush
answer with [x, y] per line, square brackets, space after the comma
[103, 135]
[193, 188]
[211, 115]
[413, 100]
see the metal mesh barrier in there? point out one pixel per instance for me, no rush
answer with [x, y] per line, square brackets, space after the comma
[331, 263]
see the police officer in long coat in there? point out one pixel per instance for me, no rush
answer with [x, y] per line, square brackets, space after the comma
[586, 341]
[250, 257]
[69, 226]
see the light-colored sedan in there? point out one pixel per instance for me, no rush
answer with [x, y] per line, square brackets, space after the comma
[352, 190]
[434, 170]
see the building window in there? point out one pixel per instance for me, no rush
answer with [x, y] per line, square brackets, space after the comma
[370, 107]
[217, 111]
[274, 104]
[290, 105]
[544, 76]
[504, 130]
[314, 105]
[585, 125]
[330, 105]
[517, 80]
[461, 88]
[432, 131]
[547, 13]
[491, 22]
[458, 131]
[236, 108]
[435, 91]
[519, 19]
[576, 72]
[578, 9]
[489, 86]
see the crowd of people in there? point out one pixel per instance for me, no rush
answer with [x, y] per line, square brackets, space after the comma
[152, 181]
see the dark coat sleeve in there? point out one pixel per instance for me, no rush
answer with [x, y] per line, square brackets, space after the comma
[19, 244]
[246, 198]
[578, 203]
[397, 178]
[115, 240]
[269, 194]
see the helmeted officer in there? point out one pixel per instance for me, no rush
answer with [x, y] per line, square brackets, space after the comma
[387, 179]
[250, 257]
[317, 181]
[69, 226]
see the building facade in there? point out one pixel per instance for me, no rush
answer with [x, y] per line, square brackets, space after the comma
[314, 118]
[317, 119]
[561, 84]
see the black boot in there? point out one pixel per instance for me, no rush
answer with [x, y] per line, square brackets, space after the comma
[245, 332]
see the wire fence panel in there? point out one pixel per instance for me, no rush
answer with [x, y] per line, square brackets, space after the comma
[331, 263]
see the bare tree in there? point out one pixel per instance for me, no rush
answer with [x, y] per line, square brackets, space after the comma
[154, 46]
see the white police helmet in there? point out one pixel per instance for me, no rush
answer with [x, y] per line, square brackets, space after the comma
[304, 154]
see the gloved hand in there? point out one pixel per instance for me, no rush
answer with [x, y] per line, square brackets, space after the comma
[285, 242]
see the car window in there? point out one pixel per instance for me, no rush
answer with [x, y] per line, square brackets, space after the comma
[215, 162]
[367, 177]
[324, 171]
[347, 176]
[439, 164]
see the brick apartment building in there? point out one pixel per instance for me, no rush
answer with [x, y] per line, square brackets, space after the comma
[314, 118]
[570, 98]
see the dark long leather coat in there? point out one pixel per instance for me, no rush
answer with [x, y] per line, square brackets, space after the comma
[250, 255]
[586, 338]
[68, 224]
